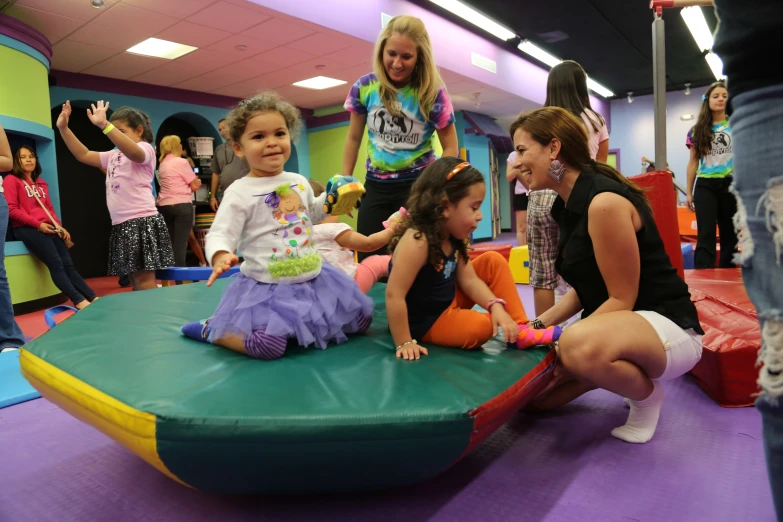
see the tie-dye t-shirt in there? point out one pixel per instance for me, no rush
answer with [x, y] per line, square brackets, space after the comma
[720, 161]
[398, 147]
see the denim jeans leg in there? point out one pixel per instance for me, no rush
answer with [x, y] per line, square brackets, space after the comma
[758, 183]
[10, 333]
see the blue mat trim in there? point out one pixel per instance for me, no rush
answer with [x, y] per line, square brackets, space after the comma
[191, 273]
[13, 387]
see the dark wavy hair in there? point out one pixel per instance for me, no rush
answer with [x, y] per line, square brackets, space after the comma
[702, 131]
[18, 171]
[429, 196]
[264, 101]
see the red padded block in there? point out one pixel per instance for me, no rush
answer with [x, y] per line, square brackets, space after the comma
[477, 249]
[732, 336]
[660, 192]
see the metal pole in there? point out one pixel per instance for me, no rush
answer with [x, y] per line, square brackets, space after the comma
[659, 90]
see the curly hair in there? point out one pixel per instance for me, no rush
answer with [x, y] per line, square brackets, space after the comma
[266, 101]
[429, 196]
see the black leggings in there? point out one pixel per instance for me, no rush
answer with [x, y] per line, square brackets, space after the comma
[179, 221]
[714, 205]
[52, 252]
[381, 201]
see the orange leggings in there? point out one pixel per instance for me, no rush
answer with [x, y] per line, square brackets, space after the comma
[461, 327]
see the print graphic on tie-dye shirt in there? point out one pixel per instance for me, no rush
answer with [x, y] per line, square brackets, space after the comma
[399, 147]
[719, 163]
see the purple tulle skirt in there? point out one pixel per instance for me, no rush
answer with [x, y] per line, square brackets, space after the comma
[318, 311]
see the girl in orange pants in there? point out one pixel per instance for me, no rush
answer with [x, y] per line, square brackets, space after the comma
[432, 284]
[461, 326]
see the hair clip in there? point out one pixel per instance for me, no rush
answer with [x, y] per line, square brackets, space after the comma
[703, 97]
[457, 169]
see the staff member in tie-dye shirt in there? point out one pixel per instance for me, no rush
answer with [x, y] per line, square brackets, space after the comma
[710, 169]
[402, 103]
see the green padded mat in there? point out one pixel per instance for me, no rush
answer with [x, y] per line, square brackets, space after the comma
[342, 415]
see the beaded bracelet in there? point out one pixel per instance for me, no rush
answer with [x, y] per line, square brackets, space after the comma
[412, 341]
[497, 300]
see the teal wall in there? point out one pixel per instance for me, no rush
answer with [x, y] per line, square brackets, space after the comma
[159, 110]
[478, 155]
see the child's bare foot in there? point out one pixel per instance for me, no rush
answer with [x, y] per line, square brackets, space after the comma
[81, 305]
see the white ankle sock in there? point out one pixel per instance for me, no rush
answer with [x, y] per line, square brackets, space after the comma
[641, 423]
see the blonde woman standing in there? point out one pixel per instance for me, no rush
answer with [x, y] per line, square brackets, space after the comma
[401, 103]
[175, 201]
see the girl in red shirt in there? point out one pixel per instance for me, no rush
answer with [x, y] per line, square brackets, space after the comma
[35, 229]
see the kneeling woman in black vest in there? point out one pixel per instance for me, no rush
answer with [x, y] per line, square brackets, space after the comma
[639, 325]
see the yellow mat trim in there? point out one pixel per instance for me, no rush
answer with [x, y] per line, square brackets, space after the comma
[132, 428]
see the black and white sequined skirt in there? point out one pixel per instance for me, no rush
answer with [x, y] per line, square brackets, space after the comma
[139, 244]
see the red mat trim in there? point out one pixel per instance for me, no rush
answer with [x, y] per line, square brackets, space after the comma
[491, 415]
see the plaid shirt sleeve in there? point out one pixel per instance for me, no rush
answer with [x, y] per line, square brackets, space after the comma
[543, 235]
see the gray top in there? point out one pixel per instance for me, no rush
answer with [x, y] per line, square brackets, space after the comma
[230, 166]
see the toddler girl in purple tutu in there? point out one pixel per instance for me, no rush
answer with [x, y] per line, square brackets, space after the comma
[284, 291]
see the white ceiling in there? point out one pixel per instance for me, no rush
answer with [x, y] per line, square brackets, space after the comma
[280, 50]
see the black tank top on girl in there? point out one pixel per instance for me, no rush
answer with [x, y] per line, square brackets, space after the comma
[661, 290]
[431, 293]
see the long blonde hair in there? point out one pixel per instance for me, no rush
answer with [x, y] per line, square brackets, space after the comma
[425, 77]
[167, 145]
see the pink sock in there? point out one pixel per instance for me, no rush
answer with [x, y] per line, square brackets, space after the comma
[531, 337]
[369, 271]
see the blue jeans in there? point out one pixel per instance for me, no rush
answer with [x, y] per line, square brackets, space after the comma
[757, 125]
[10, 333]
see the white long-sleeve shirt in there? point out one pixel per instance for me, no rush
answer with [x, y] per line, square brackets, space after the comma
[269, 220]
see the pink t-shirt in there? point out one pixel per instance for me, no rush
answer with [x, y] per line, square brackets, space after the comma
[129, 184]
[519, 188]
[324, 235]
[594, 138]
[175, 175]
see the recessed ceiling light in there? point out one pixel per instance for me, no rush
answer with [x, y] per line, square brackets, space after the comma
[161, 49]
[319, 82]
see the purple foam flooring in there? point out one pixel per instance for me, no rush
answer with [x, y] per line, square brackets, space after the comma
[705, 463]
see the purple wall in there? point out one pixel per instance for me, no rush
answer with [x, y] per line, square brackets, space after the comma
[22, 32]
[634, 131]
[452, 44]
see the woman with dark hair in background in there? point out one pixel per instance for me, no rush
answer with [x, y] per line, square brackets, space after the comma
[710, 169]
[566, 88]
